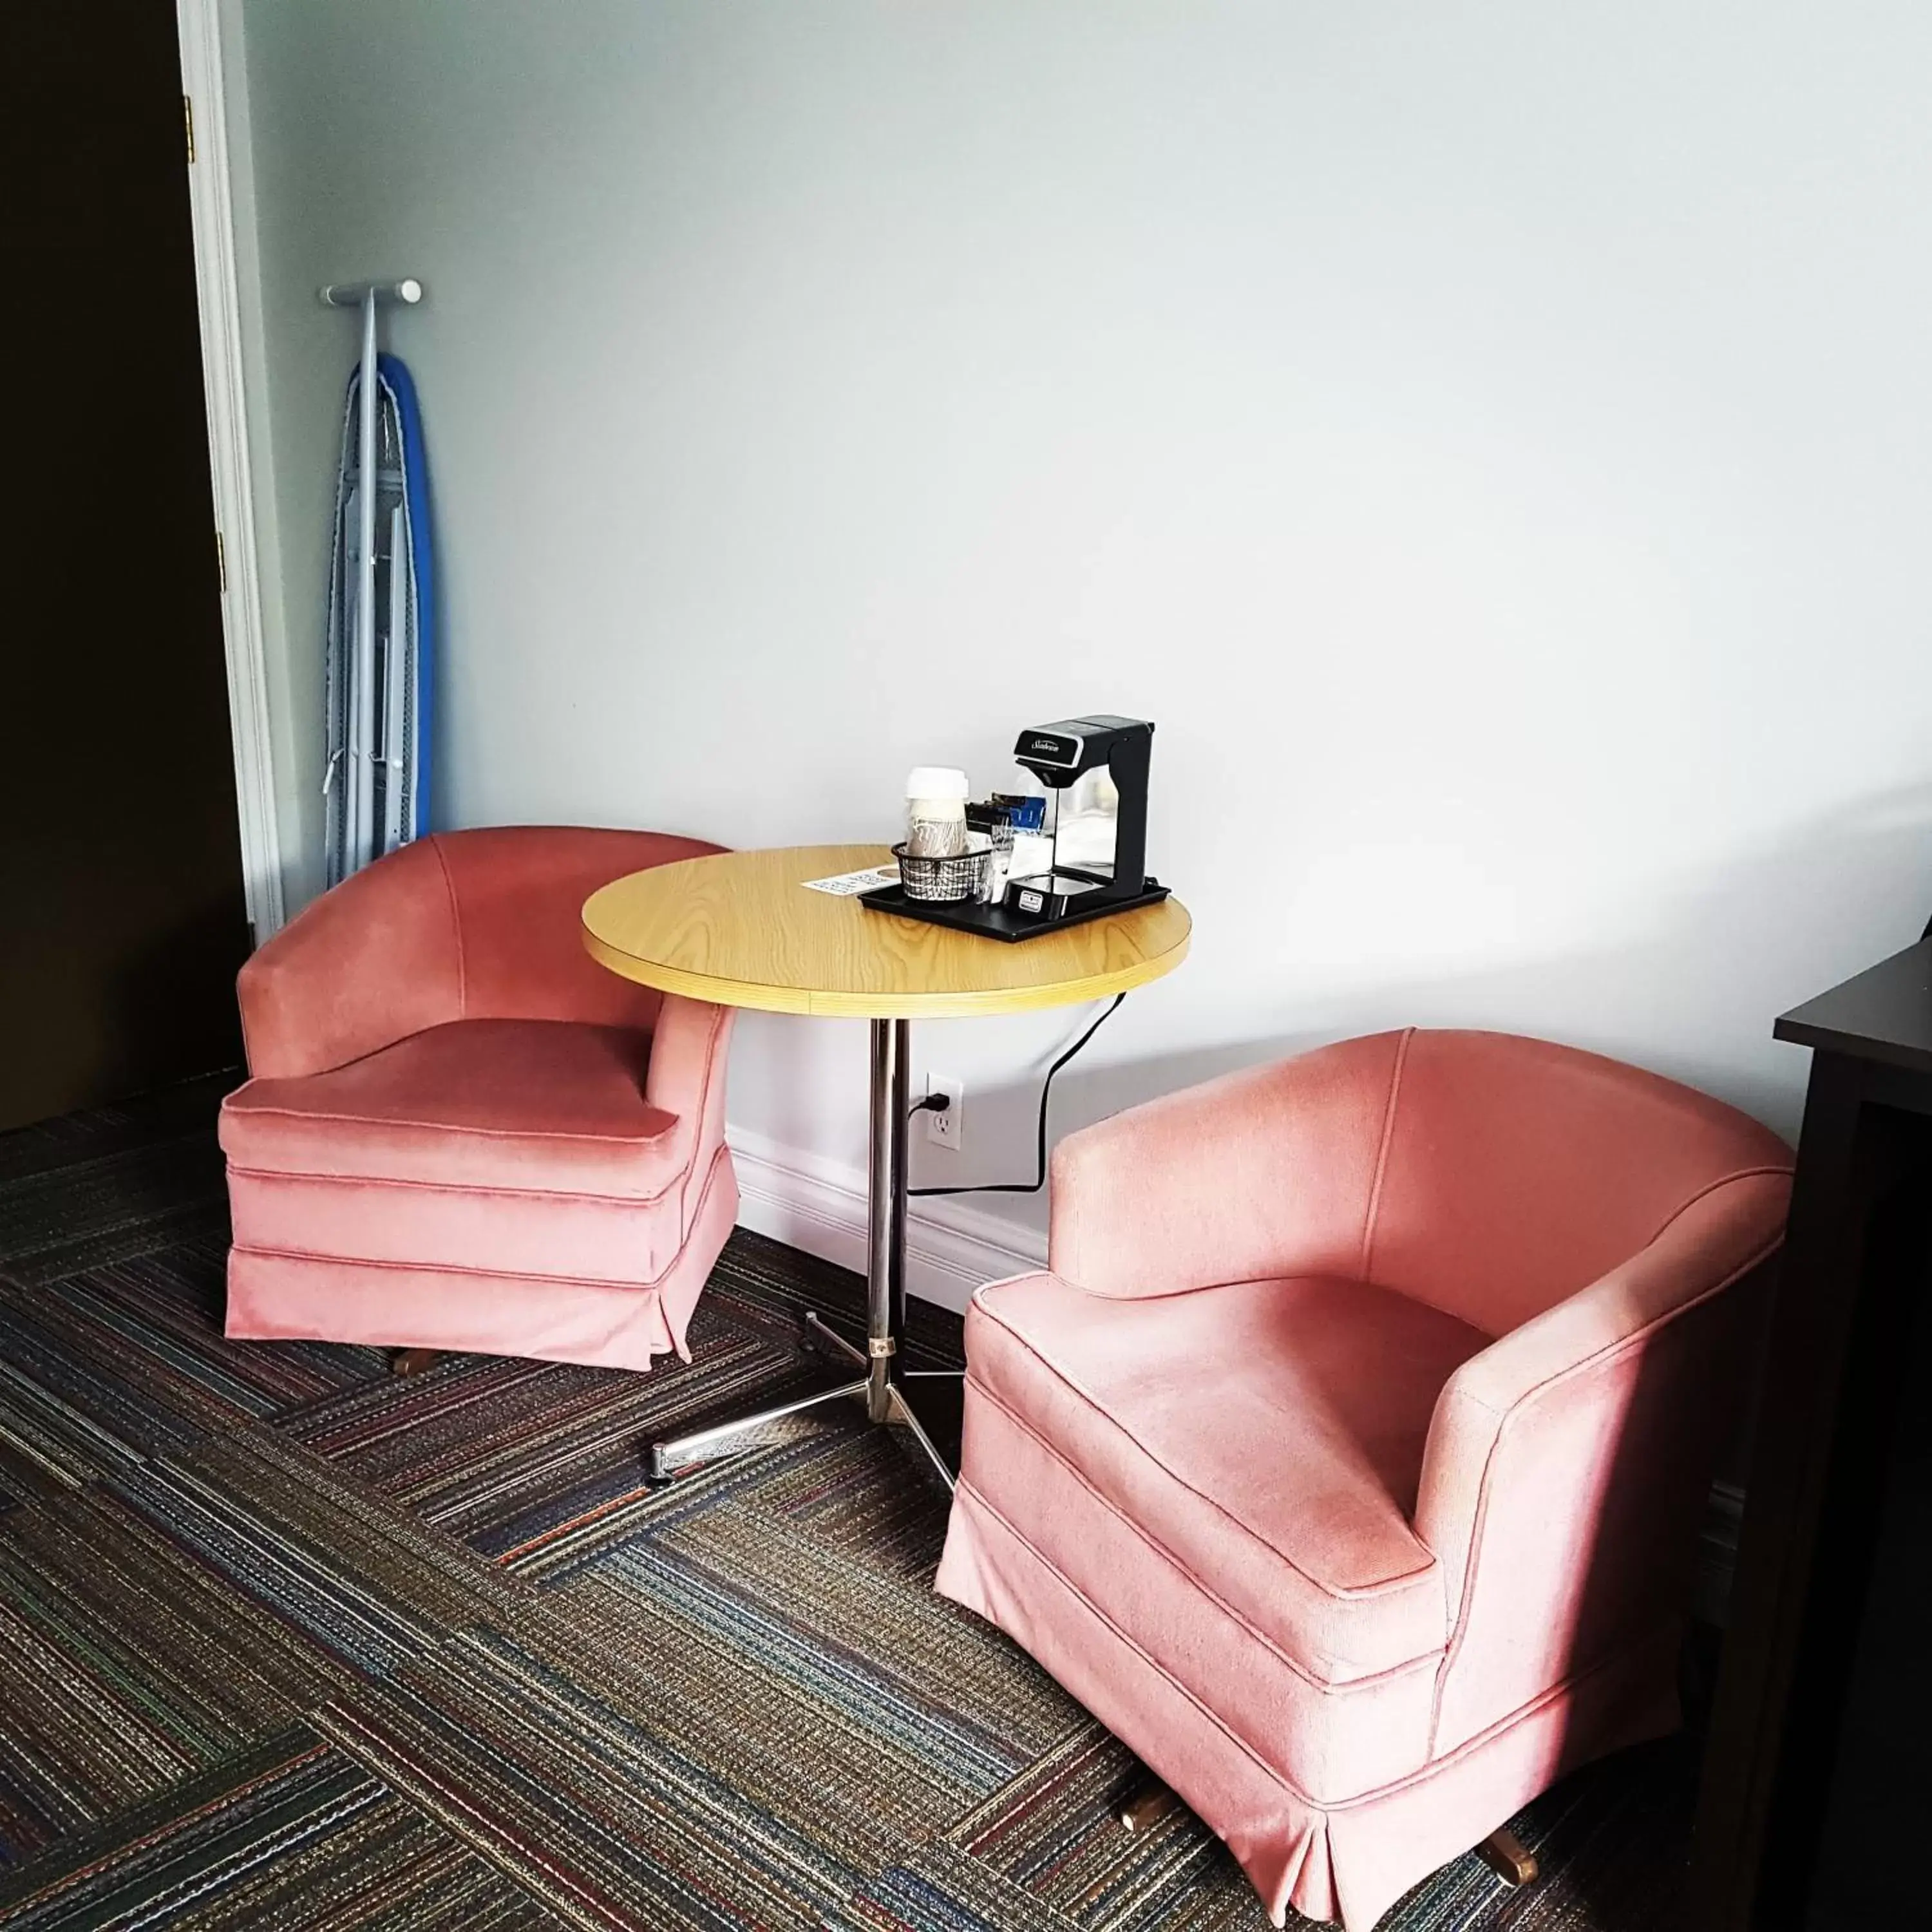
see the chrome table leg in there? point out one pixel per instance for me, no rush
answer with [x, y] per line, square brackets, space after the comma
[675, 1452]
[902, 1414]
[821, 1335]
[883, 1388]
[885, 1249]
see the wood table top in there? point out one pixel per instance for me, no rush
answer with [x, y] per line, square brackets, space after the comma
[742, 929]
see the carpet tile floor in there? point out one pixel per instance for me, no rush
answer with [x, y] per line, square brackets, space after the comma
[286, 1642]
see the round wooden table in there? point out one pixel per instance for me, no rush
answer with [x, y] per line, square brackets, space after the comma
[743, 929]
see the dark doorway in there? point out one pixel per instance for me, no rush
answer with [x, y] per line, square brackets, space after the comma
[120, 861]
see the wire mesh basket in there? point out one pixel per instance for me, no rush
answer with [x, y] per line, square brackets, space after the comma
[962, 876]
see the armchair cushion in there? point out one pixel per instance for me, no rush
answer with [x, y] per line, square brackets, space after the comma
[489, 1145]
[532, 1105]
[1237, 1428]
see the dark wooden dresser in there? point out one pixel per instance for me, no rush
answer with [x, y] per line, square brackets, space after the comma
[1817, 1805]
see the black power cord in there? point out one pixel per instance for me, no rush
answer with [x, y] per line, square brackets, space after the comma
[938, 1103]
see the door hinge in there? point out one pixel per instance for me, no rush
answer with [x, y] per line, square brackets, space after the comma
[221, 562]
[187, 123]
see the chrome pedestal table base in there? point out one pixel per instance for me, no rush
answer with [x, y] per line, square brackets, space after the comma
[882, 1376]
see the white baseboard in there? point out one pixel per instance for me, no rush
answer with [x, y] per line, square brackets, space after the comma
[819, 1206]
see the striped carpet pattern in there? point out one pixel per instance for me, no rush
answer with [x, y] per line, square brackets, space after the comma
[286, 1642]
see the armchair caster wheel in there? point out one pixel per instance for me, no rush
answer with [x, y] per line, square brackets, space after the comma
[1144, 1805]
[414, 1361]
[1503, 1851]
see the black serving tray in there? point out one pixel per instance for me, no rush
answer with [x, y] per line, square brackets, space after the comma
[1000, 922]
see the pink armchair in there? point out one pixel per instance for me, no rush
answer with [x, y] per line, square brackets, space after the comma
[462, 1132]
[1348, 1461]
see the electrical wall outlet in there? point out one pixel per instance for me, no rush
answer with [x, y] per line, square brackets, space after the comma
[948, 1128]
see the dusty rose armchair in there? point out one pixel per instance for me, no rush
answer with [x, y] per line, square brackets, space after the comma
[462, 1132]
[1348, 1461]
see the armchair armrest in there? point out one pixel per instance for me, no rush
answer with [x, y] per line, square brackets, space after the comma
[376, 959]
[1567, 1464]
[686, 1077]
[1268, 1171]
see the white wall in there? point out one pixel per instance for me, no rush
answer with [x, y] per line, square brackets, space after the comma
[1494, 442]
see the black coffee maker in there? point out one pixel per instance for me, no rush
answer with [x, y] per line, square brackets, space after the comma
[1093, 841]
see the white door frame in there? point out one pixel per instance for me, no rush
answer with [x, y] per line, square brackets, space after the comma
[199, 24]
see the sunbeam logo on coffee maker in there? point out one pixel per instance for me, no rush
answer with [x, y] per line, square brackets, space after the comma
[1061, 751]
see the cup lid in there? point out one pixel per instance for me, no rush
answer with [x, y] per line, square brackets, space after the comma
[936, 781]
